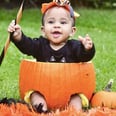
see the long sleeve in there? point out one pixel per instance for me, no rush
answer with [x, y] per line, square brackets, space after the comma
[79, 52]
[27, 45]
[86, 55]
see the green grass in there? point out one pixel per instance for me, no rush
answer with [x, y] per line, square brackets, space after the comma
[99, 24]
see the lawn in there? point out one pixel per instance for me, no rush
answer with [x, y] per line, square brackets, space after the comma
[99, 24]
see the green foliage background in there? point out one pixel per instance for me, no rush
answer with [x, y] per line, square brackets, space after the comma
[9, 4]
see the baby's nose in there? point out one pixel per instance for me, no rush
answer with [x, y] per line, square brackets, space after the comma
[57, 25]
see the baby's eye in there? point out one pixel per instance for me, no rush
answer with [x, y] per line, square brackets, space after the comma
[50, 22]
[63, 22]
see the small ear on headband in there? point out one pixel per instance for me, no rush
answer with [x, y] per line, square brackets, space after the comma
[76, 14]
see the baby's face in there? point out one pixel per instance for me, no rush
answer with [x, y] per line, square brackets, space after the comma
[58, 25]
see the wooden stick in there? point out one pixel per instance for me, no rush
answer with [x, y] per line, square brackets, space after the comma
[18, 18]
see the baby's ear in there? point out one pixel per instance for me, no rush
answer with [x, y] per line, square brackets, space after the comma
[73, 31]
[43, 31]
[42, 28]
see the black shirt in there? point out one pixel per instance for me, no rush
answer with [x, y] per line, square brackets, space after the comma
[72, 51]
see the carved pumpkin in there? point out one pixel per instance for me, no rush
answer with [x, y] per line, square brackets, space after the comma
[57, 81]
[104, 98]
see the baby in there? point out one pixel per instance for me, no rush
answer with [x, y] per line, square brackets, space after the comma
[58, 25]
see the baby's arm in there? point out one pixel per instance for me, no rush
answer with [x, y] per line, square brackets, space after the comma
[86, 41]
[16, 30]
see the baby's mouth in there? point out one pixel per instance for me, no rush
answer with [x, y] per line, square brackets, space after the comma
[56, 34]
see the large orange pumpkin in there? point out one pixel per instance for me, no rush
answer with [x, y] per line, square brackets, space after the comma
[104, 98]
[57, 81]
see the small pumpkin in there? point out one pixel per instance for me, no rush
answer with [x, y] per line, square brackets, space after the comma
[104, 98]
[57, 81]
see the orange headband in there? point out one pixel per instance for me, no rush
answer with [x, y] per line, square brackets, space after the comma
[46, 6]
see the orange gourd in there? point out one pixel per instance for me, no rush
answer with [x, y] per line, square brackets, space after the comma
[57, 81]
[19, 109]
[104, 98]
[22, 110]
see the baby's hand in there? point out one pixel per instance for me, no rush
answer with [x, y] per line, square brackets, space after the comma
[86, 41]
[15, 29]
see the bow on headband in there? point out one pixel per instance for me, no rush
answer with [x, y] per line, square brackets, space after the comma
[60, 3]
